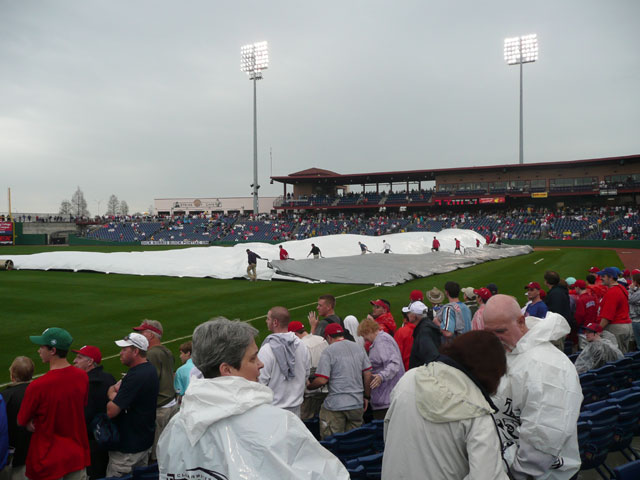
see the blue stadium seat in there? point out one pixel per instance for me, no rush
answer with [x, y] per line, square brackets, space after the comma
[628, 471]
[595, 448]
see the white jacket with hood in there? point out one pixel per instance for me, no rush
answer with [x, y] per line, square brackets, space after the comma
[227, 429]
[439, 426]
[539, 401]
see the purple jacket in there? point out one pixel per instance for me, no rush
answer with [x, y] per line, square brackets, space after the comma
[386, 361]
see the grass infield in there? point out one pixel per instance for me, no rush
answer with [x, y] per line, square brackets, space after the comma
[98, 309]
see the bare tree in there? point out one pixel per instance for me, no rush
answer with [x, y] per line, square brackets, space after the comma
[65, 208]
[113, 205]
[124, 208]
[79, 204]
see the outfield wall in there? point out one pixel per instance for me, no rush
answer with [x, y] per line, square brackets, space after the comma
[75, 240]
[577, 243]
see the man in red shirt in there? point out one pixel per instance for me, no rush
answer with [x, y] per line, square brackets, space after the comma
[404, 335]
[381, 313]
[284, 255]
[614, 309]
[457, 249]
[53, 409]
[435, 245]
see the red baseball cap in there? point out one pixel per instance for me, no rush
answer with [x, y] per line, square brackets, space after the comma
[580, 284]
[146, 326]
[90, 351]
[594, 327]
[594, 270]
[295, 326]
[542, 294]
[484, 293]
[634, 271]
[416, 295]
[380, 303]
[535, 285]
[626, 273]
[332, 329]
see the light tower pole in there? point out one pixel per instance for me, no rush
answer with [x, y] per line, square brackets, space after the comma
[517, 51]
[253, 59]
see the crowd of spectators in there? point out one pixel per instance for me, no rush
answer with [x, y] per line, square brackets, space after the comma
[434, 373]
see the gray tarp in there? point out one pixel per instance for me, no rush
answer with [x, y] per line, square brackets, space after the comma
[392, 269]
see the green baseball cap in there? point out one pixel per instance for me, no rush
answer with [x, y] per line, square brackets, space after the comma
[53, 337]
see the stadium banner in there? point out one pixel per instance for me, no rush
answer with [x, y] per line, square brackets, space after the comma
[611, 191]
[6, 233]
[492, 200]
[455, 201]
[173, 242]
[540, 195]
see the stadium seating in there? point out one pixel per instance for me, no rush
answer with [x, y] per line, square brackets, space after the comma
[628, 471]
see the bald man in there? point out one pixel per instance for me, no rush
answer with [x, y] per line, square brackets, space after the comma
[540, 395]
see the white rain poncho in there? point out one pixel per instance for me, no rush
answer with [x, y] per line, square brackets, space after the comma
[227, 428]
[598, 352]
[539, 402]
[439, 427]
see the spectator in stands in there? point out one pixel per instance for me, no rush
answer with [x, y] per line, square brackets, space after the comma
[493, 288]
[404, 335]
[315, 251]
[21, 372]
[435, 245]
[469, 298]
[381, 313]
[252, 259]
[386, 247]
[227, 426]
[284, 255]
[286, 362]
[614, 309]
[483, 295]
[595, 287]
[386, 365]
[326, 310]
[634, 306]
[454, 318]
[351, 326]
[539, 401]
[536, 307]
[312, 399]
[88, 358]
[181, 379]
[586, 308]
[53, 410]
[162, 359]
[416, 296]
[427, 336]
[436, 297]
[557, 301]
[449, 428]
[132, 407]
[346, 368]
[601, 348]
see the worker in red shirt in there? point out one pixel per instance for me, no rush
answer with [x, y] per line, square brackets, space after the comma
[284, 255]
[435, 245]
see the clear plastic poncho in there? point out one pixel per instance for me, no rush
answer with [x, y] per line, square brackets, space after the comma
[599, 352]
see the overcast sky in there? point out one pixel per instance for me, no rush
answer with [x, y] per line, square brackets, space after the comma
[145, 99]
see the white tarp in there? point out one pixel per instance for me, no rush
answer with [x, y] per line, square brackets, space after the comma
[231, 262]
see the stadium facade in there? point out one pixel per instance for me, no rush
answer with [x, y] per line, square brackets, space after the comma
[200, 205]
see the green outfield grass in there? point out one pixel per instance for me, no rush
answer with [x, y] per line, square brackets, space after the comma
[98, 309]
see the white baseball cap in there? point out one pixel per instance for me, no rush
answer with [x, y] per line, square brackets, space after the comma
[134, 340]
[417, 308]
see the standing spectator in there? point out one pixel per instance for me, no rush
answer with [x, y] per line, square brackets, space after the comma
[595, 287]
[614, 309]
[634, 307]
[284, 255]
[88, 358]
[539, 399]
[386, 248]
[381, 313]
[404, 335]
[21, 372]
[442, 411]
[351, 326]
[386, 365]
[436, 297]
[252, 260]
[483, 295]
[312, 399]
[53, 409]
[536, 307]
[346, 368]
[162, 359]
[557, 299]
[227, 426]
[435, 245]
[286, 362]
[454, 318]
[427, 336]
[132, 406]
[493, 288]
[315, 251]
[586, 308]
[470, 299]
[181, 380]
[416, 296]
[326, 310]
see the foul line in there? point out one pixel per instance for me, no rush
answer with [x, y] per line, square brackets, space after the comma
[538, 261]
[246, 321]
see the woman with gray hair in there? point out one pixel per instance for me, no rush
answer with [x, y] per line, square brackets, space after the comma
[227, 425]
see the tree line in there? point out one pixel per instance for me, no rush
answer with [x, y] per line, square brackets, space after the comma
[77, 206]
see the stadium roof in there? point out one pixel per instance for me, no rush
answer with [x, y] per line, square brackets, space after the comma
[318, 175]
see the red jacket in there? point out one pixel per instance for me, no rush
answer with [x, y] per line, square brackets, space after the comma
[387, 323]
[586, 309]
[404, 339]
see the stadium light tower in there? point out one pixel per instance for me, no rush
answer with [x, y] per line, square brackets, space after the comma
[517, 51]
[254, 58]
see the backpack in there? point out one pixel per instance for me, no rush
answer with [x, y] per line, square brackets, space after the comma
[105, 431]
